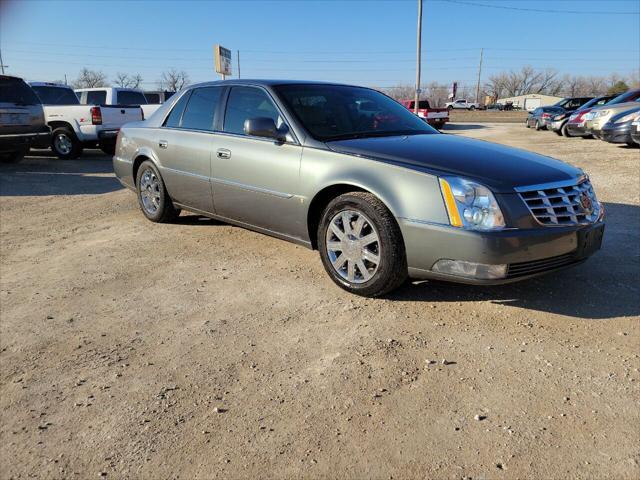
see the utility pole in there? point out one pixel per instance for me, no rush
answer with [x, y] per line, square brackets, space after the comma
[2, 65]
[65, 78]
[238, 56]
[418, 57]
[479, 74]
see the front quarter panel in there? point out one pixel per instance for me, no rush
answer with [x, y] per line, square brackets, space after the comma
[407, 193]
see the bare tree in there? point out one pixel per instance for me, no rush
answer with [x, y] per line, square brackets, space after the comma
[173, 80]
[135, 81]
[90, 79]
[128, 81]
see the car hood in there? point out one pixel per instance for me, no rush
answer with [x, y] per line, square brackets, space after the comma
[498, 167]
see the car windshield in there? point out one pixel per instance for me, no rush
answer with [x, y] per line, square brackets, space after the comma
[629, 96]
[338, 112]
[14, 90]
[56, 95]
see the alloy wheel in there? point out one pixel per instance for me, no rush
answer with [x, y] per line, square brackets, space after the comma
[150, 191]
[63, 144]
[353, 246]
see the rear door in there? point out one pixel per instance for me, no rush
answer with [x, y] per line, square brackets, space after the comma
[255, 179]
[184, 147]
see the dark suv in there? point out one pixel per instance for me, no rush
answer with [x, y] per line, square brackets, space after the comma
[21, 119]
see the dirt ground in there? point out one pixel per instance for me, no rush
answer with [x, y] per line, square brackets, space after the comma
[201, 350]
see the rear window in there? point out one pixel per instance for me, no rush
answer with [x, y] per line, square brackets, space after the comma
[15, 90]
[152, 97]
[201, 107]
[56, 95]
[96, 97]
[128, 97]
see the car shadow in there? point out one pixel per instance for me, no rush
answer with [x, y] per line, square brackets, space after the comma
[41, 174]
[462, 126]
[606, 286]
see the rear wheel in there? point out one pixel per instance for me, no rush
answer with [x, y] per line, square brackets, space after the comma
[361, 245]
[472, 108]
[65, 144]
[153, 198]
[565, 131]
[538, 126]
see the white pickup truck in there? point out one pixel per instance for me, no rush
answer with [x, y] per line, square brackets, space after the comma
[76, 126]
[116, 96]
[462, 104]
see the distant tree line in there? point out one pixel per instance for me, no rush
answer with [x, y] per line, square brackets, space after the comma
[520, 82]
[171, 80]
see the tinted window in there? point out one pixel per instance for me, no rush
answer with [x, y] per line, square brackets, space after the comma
[14, 90]
[128, 97]
[168, 95]
[244, 103]
[173, 120]
[97, 97]
[423, 104]
[56, 95]
[330, 112]
[152, 97]
[201, 108]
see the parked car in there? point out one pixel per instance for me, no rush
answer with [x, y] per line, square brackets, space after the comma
[158, 96]
[569, 105]
[436, 117]
[575, 126]
[462, 104]
[635, 130]
[541, 116]
[116, 96]
[596, 118]
[76, 126]
[495, 106]
[21, 119]
[381, 198]
[618, 128]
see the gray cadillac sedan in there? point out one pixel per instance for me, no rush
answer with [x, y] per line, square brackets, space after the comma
[352, 173]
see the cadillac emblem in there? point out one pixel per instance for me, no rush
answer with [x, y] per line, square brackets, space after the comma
[586, 203]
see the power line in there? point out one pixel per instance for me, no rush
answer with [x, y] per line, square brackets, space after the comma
[538, 10]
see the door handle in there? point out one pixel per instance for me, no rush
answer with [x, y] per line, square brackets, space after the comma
[223, 153]
[163, 144]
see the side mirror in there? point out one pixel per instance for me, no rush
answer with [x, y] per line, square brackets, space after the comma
[265, 127]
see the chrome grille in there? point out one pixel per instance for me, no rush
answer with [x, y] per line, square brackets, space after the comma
[562, 205]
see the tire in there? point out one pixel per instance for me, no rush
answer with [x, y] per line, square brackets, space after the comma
[538, 126]
[156, 205]
[527, 124]
[64, 144]
[449, 108]
[366, 213]
[472, 108]
[565, 131]
[558, 132]
[13, 157]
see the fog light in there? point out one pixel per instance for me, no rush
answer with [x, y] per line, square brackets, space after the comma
[481, 271]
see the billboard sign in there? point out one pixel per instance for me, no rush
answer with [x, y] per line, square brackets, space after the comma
[222, 58]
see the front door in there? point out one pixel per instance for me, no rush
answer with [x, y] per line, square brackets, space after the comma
[255, 180]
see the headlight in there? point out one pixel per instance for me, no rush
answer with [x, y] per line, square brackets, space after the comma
[627, 118]
[559, 117]
[470, 205]
[602, 113]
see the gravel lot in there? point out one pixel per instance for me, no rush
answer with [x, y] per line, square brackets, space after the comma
[201, 350]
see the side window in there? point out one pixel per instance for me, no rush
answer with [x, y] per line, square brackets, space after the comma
[96, 97]
[201, 108]
[80, 95]
[173, 120]
[244, 103]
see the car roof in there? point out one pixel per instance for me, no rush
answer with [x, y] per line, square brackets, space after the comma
[48, 84]
[267, 83]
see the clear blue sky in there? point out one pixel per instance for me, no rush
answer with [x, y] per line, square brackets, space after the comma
[362, 42]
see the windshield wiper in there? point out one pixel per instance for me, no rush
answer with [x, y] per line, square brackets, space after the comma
[388, 133]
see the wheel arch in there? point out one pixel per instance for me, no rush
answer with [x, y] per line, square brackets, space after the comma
[140, 156]
[322, 198]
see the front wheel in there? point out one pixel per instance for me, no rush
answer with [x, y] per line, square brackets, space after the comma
[538, 126]
[472, 108]
[361, 245]
[153, 198]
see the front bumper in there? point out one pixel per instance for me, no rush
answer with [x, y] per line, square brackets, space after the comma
[576, 130]
[526, 252]
[616, 133]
